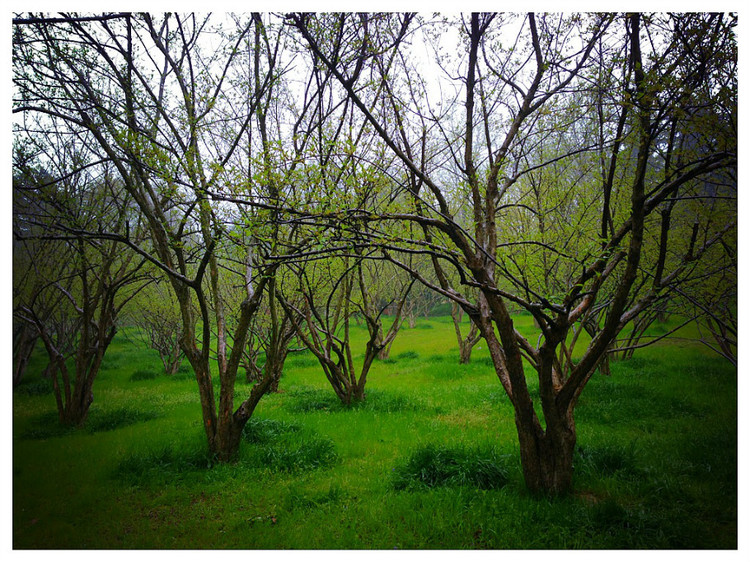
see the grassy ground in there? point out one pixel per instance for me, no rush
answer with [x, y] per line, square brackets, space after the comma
[430, 460]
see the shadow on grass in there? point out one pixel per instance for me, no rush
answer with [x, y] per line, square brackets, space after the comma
[34, 387]
[612, 402]
[184, 372]
[605, 460]
[47, 425]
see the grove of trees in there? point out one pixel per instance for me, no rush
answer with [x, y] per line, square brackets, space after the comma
[271, 179]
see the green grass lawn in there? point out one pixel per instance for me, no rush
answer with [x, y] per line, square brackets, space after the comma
[656, 465]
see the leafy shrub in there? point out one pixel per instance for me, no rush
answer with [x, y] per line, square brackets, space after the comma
[432, 466]
[143, 375]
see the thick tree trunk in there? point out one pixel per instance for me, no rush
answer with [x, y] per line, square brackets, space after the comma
[228, 438]
[547, 458]
[77, 411]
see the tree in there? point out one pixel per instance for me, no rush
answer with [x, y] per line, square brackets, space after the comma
[156, 316]
[148, 95]
[75, 288]
[333, 291]
[508, 95]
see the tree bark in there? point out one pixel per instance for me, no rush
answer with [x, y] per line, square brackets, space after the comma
[24, 341]
[547, 456]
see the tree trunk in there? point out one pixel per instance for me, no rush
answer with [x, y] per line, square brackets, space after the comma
[385, 352]
[464, 352]
[547, 457]
[465, 345]
[24, 341]
[274, 366]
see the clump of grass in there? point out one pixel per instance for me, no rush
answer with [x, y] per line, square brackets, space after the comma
[635, 363]
[424, 326]
[611, 402]
[110, 364]
[301, 359]
[38, 387]
[389, 402]
[175, 462]
[161, 464]
[496, 397]
[306, 399]
[608, 513]
[264, 430]
[47, 425]
[297, 499]
[711, 455]
[143, 375]
[605, 460]
[447, 370]
[407, 355]
[484, 362]
[108, 420]
[433, 466]
[311, 453]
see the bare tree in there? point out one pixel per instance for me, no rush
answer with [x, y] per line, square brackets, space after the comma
[512, 98]
[150, 96]
[76, 287]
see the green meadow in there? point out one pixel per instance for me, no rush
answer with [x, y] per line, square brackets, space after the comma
[428, 461]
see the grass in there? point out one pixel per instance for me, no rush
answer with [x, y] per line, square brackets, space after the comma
[429, 460]
[435, 465]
